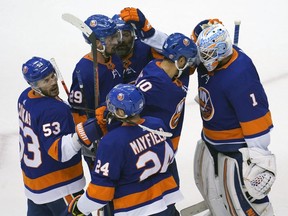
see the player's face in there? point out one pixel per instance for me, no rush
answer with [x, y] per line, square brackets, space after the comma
[49, 86]
[111, 43]
[125, 46]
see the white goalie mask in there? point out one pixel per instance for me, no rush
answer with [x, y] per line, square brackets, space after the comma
[214, 44]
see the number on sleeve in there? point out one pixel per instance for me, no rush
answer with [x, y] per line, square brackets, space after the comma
[254, 102]
[50, 128]
[104, 169]
[75, 97]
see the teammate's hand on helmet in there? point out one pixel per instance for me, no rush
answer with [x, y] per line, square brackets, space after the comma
[72, 208]
[259, 171]
[136, 17]
[88, 132]
[202, 25]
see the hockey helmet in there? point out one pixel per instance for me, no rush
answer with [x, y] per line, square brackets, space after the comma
[177, 45]
[126, 97]
[102, 26]
[36, 69]
[121, 24]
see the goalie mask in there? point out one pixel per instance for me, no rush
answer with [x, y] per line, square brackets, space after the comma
[127, 98]
[214, 44]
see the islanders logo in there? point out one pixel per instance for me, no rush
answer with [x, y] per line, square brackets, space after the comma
[206, 105]
[93, 23]
[120, 97]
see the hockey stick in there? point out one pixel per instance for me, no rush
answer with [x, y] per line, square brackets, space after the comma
[54, 64]
[236, 31]
[194, 209]
[59, 75]
[92, 38]
[161, 133]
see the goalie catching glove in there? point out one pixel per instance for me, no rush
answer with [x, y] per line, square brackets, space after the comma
[135, 16]
[259, 171]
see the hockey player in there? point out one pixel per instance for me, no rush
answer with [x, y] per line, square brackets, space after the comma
[131, 168]
[164, 82]
[233, 167]
[109, 68]
[133, 52]
[49, 148]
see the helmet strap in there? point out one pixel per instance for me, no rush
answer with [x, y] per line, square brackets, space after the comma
[180, 70]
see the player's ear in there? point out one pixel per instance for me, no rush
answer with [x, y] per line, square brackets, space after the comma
[181, 61]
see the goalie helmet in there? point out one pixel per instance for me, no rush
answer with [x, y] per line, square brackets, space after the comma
[102, 26]
[126, 97]
[36, 69]
[214, 44]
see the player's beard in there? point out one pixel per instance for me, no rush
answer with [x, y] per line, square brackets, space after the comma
[123, 50]
[51, 92]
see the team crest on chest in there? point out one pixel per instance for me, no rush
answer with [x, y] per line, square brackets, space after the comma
[206, 105]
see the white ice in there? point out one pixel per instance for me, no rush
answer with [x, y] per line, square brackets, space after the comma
[35, 28]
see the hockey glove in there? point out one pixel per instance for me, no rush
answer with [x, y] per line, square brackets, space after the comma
[101, 113]
[88, 132]
[202, 25]
[135, 16]
[259, 171]
[73, 209]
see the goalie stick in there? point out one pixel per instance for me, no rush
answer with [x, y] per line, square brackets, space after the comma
[194, 209]
[236, 31]
[92, 38]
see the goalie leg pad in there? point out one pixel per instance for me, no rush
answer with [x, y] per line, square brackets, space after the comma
[234, 196]
[206, 181]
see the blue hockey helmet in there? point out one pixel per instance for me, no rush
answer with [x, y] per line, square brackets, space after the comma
[126, 97]
[177, 45]
[121, 24]
[102, 26]
[36, 69]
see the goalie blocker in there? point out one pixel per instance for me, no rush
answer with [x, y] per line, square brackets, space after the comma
[224, 193]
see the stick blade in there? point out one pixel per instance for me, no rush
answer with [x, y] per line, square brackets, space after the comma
[70, 18]
[194, 209]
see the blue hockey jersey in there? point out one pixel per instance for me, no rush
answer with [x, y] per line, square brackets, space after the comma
[109, 75]
[140, 56]
[164, 98]
[233, 104]
[51, 168]
[131, 169]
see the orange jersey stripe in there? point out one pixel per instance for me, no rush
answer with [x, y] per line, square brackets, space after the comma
[151, 193]
[247, 129]
[224, 135]
[257, 126]
[53, 178]
[175, 142]
[53, 150]
[100, 192]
